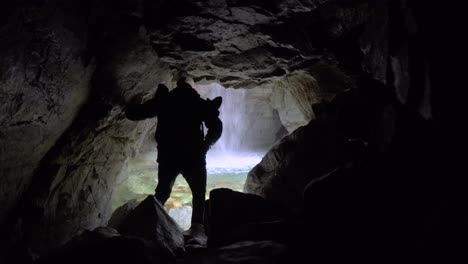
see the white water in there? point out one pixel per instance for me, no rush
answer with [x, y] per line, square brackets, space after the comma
[217, 163]
[231, 153]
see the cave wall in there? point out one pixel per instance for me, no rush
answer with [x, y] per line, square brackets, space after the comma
[68, 72]
[44, 82]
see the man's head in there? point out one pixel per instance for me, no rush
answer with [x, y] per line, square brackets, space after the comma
[162, 91]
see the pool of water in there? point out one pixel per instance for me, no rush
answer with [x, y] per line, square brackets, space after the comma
[225, 170]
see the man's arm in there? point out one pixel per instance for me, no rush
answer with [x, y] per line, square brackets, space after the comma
[215, 129]
[148, 109]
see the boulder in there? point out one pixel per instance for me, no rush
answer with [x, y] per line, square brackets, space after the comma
[308, 152]
[231, 216]
[150, 221]
[121, 213]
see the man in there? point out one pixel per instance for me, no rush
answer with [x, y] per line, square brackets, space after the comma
[182, 145]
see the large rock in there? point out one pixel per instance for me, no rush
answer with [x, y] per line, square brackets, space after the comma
[353, 118]
[231, 216]
[308, 152]
[150, 221]
[121, 213]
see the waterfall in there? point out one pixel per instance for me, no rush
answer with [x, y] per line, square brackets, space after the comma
[232, 153]
[233, 114]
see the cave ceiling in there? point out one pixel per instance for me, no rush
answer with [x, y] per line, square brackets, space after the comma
[249, 43]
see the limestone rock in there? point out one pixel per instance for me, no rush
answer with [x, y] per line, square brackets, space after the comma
[150, 221]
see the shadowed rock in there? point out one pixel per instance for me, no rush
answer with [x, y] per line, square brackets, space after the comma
[249, 252]
[104, 245]
[306, 153]
[121, 213]
[232, 216]
[150, 221]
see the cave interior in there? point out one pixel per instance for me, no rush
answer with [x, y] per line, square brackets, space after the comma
[358, 109]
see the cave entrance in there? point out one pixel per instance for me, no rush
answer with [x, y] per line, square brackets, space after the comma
[250, 127]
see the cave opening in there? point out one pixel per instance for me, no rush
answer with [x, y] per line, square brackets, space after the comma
[251, 125]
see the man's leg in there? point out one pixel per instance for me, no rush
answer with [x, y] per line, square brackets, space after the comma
[196, 179]
[166, 177]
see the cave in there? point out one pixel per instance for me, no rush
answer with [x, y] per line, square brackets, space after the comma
[344, 123]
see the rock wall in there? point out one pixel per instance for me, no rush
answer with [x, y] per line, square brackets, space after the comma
[406, 186]
[44, 81]
[72, 191]
[65, 85]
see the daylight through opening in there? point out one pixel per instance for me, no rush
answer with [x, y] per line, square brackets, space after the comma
[250, 127]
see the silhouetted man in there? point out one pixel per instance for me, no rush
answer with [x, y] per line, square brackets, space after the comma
[182, 145]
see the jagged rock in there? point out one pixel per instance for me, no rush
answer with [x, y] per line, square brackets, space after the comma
[150, 221]
[104, 245]
[230, 216]
[121, 213]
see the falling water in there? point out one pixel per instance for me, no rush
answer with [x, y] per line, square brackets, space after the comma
[233, 152]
